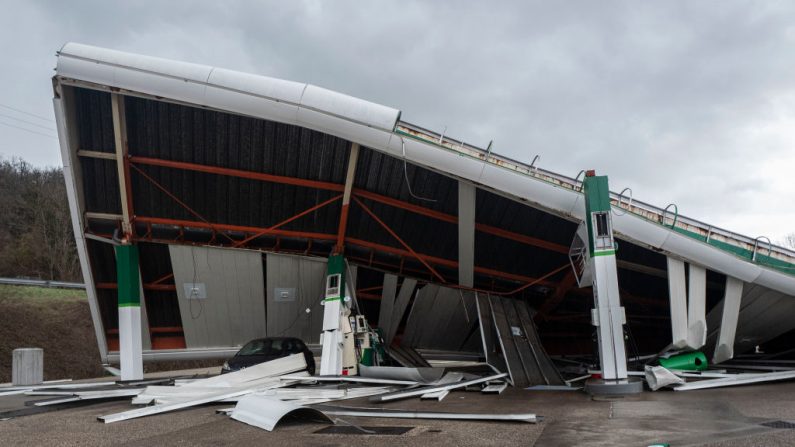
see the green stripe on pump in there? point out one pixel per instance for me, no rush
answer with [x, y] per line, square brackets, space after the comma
[127, 279]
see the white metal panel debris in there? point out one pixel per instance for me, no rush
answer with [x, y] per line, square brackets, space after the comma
[265, 412]
[355, 379]
[658, 377]
[436, 395]
[738, 379]
[421, 375]
[421, 391]
[512, 417]
[495, 388]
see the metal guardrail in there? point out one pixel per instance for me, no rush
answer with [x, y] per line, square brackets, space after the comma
[42, 283]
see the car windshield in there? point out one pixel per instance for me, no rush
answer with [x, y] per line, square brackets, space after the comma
[261, 347]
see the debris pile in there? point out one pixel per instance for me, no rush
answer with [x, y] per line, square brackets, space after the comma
[266, 393]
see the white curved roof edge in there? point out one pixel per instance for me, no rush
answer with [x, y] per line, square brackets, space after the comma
[372, 125]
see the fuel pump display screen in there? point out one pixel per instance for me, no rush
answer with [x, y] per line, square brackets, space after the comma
[333, 286]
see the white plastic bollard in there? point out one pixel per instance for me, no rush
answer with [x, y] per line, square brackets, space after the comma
[27, 366]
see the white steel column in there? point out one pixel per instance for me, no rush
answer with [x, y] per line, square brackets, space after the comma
[677, 291]
[732, 298]
[466, 233]
[696, 307]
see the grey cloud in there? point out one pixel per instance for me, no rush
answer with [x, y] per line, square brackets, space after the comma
[677, 100]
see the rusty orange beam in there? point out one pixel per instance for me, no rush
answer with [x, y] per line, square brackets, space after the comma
[444, 217]
[401, 241]
[173, 197]
[286, 221]
[237, 173]
[554, 301]
[113, 286]
[332, 237]
[163, 278]
[368, 296]
[234, 228]
[450, 263]
[449, 218]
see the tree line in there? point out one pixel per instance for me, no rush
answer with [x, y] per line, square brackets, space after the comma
[36, 238]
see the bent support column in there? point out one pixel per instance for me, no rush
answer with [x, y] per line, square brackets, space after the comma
[129, 291]
[724, 348]
[607, 315]
[696, 305]
[466, 234]
[677, 291]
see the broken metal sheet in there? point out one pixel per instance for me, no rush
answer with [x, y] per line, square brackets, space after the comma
[451, 377]
[351, 393]
[540, 357]
[407, 357]
[399, 308]
[488, 335]
[677, 291]
[61, 386]
[422, 375]
[191, 402]
[436, 395]
[281, 366]
[303, 393]
[91, 395]
[494, 388]
[526, 360]
[265, 412]
[255, 378]
[658, 377]
[401, 414]
[387, 304]
[696, 375]
[420, 391]
[441, 318]
[163, 408]
[355, 379]
[739, 379]
[553, 388]
[168, 395]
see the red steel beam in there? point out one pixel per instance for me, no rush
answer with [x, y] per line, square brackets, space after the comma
[163, 278]
[150, 286]
[286, 221]
[332, 237]
[555, 299]
[237, 173]
[403, 243]
[444, 217]
[449, 263]
[173, 197]
[234, 228]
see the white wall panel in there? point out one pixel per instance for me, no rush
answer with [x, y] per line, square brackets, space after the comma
[233, 311]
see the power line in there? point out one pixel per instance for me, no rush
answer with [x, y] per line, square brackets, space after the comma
[28, 130]
[26, 113]
[27, 122]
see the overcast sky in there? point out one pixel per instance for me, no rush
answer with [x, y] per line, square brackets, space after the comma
[685, 102]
